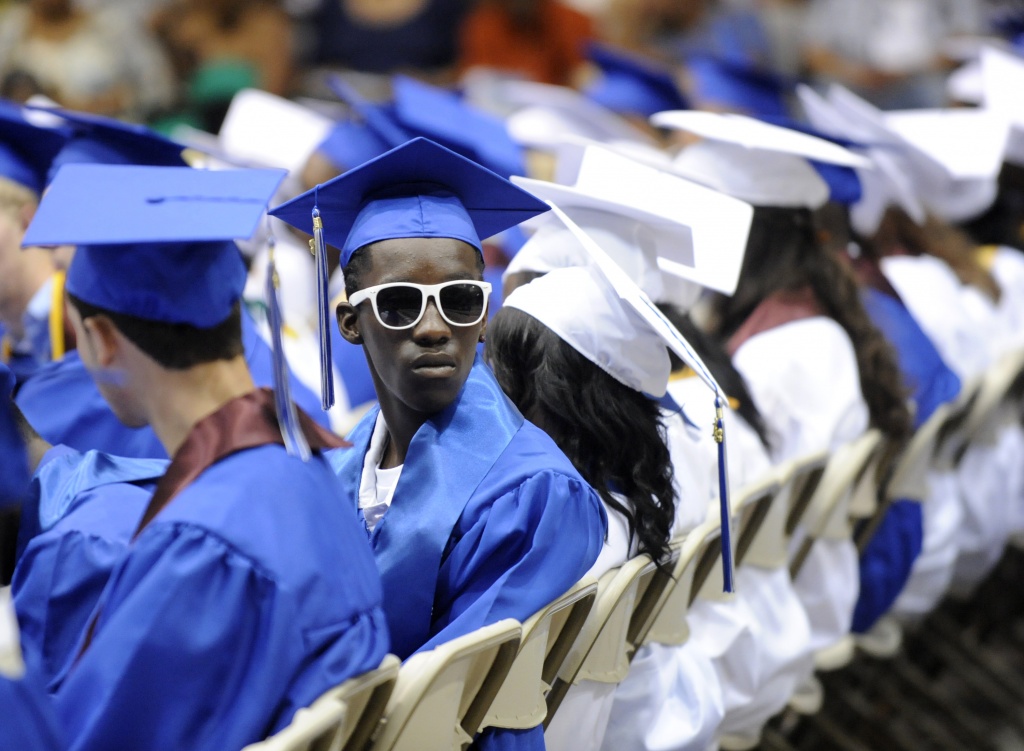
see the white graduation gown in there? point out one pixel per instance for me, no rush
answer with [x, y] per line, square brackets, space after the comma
[584, 715]
[804, 379]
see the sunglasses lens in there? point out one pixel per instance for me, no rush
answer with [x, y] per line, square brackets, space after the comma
[399, 306]
[463, 303]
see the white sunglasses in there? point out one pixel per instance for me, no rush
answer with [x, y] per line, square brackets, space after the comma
[401, 305]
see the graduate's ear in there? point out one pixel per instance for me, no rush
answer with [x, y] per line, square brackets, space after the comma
[103, 340]
[483, 330]
[348, 323]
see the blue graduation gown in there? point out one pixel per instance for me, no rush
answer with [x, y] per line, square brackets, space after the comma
[62, 403]
[248, 596]
[886, 563]
[489, 519]
[27, 722]
[76, 526]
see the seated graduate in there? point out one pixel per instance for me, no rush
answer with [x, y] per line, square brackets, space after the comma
[819, 371]
[474, 514]
[27, 286]
[646, 221]
[75, 525]
[25, 725]
[61, 401]
[589, 370]
[247, 590]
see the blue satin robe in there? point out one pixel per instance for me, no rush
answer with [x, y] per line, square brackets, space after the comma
[75, 527]
[64, 406]
[27, 722]
[489, 520]
[246, 598]
[886, 563]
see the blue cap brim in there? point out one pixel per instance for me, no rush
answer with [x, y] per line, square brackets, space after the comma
[631, 85]
[738, 86]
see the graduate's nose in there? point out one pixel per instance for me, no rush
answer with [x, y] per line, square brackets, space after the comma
[432, 327]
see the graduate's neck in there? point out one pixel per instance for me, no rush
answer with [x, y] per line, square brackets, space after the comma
[402, 424]
[178, 399]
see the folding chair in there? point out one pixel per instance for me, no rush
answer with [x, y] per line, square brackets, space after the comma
[600, 652]
[697, 550]
[757, 504]
[314, 728]
[802, 478]
[547, 638]
[827, 514]
[442, 695]
[363, 700]
[994, 390]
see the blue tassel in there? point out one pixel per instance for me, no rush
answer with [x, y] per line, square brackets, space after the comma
[287, 416]
[723, 495]
[323, 305]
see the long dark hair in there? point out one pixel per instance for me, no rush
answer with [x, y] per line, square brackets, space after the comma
[783, 254]
[713, 353]
[612, 434]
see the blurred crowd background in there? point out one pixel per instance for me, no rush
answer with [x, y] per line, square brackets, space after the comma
[180, 61]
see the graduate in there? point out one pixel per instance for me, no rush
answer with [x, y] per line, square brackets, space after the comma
[473, 512]
[603, 369]
[820, 373]
[248, 589]
[76, 524]
[26, 723]
[83, 421]
[648, 222]
[26, 279]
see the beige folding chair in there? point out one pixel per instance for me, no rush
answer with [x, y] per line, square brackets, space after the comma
[827, 515]
[697, 550]
[547, 638]
[314, 728]
[803, 476]
[757, 504]
[600, 652]
[994, 390]
[442, 695]
[363, 700]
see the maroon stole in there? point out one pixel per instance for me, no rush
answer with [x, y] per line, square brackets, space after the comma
[246, 422]
[784, 306]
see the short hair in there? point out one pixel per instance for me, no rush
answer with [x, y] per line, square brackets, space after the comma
[175, 346]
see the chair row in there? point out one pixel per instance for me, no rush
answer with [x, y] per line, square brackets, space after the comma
[512, 675]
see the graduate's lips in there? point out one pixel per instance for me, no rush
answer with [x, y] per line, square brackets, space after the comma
[434, 365]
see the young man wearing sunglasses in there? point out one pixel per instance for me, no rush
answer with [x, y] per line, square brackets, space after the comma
[473, 513]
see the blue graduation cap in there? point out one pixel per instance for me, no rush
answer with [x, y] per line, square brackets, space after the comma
[420, 189]
[737, 86]
[103, 140]
[26, 149]
[380, 119]
[631, 85]
[154, 242]
[351, 143]
[441, 115]
[844, 185]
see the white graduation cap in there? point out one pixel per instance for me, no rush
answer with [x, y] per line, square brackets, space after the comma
[682, 229]
[952, 186]
[1002, 81]
[607, 318]
[267, 129]
[887, 183]
[967, 84]
[544, 114]
[763, 164]
[969, 144]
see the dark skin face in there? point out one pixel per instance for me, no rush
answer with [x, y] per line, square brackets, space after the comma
[419, 371]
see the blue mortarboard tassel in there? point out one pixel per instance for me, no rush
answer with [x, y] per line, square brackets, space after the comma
[323, 322]
[287, 417]
[723, 495]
